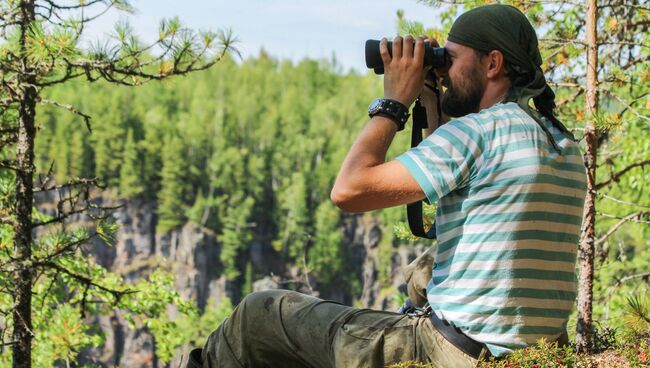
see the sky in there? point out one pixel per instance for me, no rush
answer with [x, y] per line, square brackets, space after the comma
[286, 29]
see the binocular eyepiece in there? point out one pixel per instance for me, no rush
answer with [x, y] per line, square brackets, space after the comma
[433, 56]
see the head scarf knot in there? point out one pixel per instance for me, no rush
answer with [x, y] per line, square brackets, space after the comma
[505, 28]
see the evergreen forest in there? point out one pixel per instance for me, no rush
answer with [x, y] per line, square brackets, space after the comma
[246, 152]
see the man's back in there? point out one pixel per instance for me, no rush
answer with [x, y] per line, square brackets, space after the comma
[509, 215]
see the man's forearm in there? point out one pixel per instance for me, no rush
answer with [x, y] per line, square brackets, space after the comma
[368, 150]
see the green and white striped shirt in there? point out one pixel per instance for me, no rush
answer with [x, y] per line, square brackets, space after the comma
[508, 224]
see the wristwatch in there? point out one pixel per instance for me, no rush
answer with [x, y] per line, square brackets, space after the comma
[394, 110]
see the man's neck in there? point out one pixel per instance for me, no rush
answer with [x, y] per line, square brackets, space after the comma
[495, 92]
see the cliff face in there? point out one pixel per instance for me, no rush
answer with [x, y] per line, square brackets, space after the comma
[193, 257]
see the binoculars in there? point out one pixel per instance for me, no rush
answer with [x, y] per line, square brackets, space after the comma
[433, 56]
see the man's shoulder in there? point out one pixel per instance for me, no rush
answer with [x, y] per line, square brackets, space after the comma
[489, 118]
[500, 111]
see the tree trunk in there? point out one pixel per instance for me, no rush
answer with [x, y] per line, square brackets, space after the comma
[23, 275]
[587, 238]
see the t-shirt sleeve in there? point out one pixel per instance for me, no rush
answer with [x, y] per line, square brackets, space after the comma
[447, 159]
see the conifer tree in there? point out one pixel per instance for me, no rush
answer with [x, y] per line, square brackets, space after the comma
[326, 252]
[131, 184]
[294, 229]
[41, 48]
[173, 186]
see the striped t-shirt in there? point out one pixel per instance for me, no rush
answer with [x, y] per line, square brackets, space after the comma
[508, 224]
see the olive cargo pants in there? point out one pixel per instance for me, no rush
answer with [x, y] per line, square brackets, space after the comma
[280, 328]
[285, 329]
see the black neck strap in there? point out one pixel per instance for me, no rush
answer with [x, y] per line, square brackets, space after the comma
[414, 210]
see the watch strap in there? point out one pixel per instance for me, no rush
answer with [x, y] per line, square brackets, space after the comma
[393, 110]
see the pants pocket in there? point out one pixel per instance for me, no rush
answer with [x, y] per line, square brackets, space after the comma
[399, 345]
[357, 346]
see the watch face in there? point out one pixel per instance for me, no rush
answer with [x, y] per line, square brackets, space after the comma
[374, 106]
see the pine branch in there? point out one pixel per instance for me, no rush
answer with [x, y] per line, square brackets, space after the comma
[10, 164]
[81, 5]
[566, 84]
[623, 43]
[70, 108]
[463, 2]
[635, 217]
[623, 4]
[73, 200]
[615, 177]
[111, 71]
[68, 248]
[621, 202]
[627, 106]
[630, 277]
[117, 294]
[8, 136]
[86, 182]
[6, 220]
[58, 219]
[564, 41]
[638, 221]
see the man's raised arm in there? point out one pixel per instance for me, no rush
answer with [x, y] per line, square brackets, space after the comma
[366, 181]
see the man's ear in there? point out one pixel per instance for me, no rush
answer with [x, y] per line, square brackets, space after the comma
[496, 64]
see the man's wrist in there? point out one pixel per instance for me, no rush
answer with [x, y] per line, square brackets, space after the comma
[391, 109]
[386, 120]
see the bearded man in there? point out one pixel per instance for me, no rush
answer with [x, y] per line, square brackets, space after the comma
[509, 182]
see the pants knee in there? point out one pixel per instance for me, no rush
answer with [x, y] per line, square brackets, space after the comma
[262, 299]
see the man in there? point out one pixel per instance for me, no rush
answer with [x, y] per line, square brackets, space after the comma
[510, 186]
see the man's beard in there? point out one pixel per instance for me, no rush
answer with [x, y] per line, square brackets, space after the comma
[456, 103]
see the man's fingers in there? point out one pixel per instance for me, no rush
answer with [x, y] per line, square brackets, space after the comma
[397, 48]
[383, 51]
[418, 54]
[432, 42]
[407, 51]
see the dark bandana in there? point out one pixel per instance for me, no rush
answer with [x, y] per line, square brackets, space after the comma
[505, 28]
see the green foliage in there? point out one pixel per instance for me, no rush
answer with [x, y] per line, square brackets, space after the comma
[638, 313]
[327, 248]
[294, 207]
[235, 234]
[148, 307]
[248, 152]
[544, 354]
[194, 329]
[402, 231]
[174, 186]
[131, 184]
[628, 351]
[62, 333]
[60, 300]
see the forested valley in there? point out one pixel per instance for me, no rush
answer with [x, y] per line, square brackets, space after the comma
[213, 184]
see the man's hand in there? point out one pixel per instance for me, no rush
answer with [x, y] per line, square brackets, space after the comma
[403, 71]
[429, 99]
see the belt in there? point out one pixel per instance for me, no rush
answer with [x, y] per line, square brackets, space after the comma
[455, 336]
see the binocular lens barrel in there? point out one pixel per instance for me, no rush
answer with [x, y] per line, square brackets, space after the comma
[434, 56]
